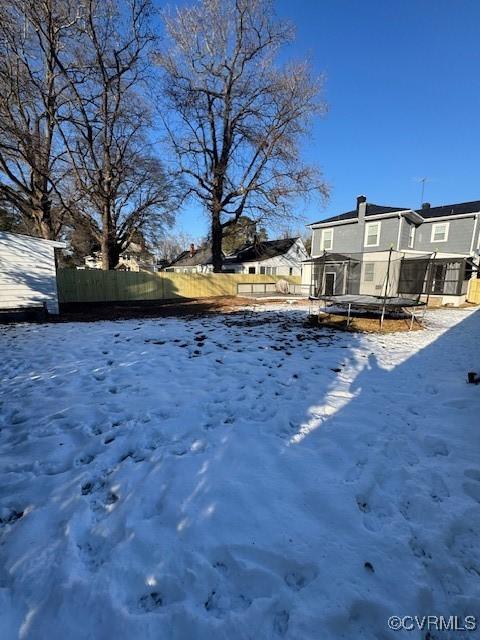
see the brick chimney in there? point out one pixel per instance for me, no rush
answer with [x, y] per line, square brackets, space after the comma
[361, 207]
[192, 250]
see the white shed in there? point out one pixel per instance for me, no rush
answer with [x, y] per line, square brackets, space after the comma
[28, 272]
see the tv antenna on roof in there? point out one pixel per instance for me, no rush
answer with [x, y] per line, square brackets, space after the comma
[422, 181]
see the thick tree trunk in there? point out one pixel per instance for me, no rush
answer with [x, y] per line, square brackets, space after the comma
[110, 249]
[217, 236]
[41, 212]
[110, 253]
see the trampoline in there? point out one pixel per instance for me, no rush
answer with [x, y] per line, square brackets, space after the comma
[380, 304]
[374, 282]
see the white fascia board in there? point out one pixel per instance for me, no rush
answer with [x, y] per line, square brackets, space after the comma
[472, 214]
[337, 223]
[413, 215]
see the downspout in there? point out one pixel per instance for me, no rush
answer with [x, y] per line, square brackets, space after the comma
[400, 217]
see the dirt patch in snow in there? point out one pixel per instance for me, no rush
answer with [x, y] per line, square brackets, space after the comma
[92, 311]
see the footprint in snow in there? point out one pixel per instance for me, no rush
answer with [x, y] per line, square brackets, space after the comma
[438, 489]
[150, 601]
[280, 622]
[83, 459]
[419, 549]
[355, 472]
[10, 516]
[472, 490]
[435, 447]
[377, 510]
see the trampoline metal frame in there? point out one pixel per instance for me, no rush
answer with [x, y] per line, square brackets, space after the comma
[381, 305]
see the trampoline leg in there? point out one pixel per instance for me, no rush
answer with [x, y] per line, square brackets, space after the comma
[348, 316]
[382, 317]
[413, 320]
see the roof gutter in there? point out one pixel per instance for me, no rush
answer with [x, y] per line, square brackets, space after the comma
[455, 216]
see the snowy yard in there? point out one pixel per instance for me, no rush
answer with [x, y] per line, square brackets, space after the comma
[234, 477]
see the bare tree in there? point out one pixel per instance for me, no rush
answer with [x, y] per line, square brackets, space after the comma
[169, 245]
[236, 117]
[121, 183]
[34, 34]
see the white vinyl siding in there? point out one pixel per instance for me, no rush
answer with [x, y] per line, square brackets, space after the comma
[369, 272]
[27, 272]
[326, 240]
[440, 232]
[372, 234]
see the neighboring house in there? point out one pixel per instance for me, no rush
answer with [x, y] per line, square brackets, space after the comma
[447, 236]
[28, 272]
[273, 257]
[192, 261]
[135, 258]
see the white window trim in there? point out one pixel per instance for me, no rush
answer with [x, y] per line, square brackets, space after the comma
[440, 224]
[367, 225]
[411, 236]
[322, 240]
[365, 272]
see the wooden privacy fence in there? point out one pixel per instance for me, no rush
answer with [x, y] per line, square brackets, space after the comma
[474, 291]
[93, 285]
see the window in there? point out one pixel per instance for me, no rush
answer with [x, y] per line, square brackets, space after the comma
[372, 234]
[252, 270]
[326, 240]
[271, 271]
[369, 272]
[439, 232]
[411, 237]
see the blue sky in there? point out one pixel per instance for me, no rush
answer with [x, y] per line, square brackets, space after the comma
[403, 93]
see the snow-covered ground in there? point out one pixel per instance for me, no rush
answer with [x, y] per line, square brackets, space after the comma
[234, 477]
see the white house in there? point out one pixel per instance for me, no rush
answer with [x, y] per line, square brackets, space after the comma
[274, 257]
[192, 260]
[28, 272]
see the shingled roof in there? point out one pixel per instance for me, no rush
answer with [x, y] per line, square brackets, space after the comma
[372, 210]
[262, 250]
[199, 257]
[426, 212]
[450, 209]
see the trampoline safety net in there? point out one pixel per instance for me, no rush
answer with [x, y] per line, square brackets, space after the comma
[382, 274]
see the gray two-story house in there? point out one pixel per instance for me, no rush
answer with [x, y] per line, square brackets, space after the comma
[431, 251]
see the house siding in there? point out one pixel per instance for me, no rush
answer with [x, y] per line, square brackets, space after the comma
[27, 273]
[349, 238]
[405, 234]
[459, 236]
